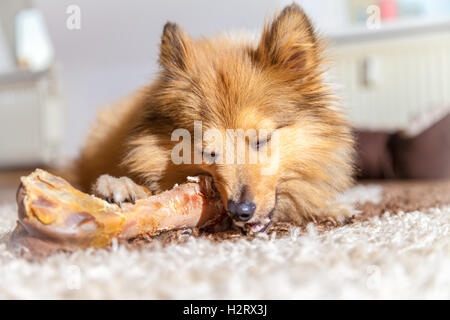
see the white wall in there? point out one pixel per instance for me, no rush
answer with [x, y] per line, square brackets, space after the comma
[116, 49]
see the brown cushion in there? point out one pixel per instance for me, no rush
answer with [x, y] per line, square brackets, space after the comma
[425, 156]
[374, 159]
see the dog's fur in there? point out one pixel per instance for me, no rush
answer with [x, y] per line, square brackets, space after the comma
[276, 84]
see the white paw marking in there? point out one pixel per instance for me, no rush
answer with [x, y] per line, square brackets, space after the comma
[118, 190]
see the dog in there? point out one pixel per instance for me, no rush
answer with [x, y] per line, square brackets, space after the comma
[276, 84]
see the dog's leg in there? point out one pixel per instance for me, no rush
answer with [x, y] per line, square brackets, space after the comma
[292, 207]
[118, 190]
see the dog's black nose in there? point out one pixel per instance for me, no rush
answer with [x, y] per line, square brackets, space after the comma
[241, 211]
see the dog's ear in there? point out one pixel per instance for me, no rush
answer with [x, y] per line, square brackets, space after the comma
[289, 42]
[174, 48]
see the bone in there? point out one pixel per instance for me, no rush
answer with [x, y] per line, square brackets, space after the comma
[54, 212]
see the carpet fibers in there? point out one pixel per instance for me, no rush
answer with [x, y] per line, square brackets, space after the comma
[397, 247]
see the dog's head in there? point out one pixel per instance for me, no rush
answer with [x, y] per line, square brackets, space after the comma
[260, 110]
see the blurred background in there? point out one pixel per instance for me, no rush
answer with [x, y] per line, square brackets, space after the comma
[62, 60]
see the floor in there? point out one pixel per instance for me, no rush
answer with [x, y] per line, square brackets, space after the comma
[373, 256]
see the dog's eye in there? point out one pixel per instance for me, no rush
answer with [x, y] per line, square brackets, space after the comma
[263, 140]
[260, 143]
[209, 156]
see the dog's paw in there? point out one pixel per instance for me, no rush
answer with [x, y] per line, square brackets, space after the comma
[119, 190]
[338, 213]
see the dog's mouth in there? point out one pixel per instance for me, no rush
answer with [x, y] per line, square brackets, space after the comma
[255, 227]
[252, 227]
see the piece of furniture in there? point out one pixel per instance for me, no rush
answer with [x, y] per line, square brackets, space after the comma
[31, 109]
[389, 76]
[31, 115]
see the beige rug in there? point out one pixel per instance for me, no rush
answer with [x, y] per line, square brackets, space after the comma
[377, 255]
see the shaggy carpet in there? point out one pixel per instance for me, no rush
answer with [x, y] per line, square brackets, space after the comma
[397, 247]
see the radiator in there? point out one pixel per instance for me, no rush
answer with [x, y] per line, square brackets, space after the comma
[387, 82]
[30, 119]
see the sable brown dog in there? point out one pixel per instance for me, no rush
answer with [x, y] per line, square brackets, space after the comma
[276, 84]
